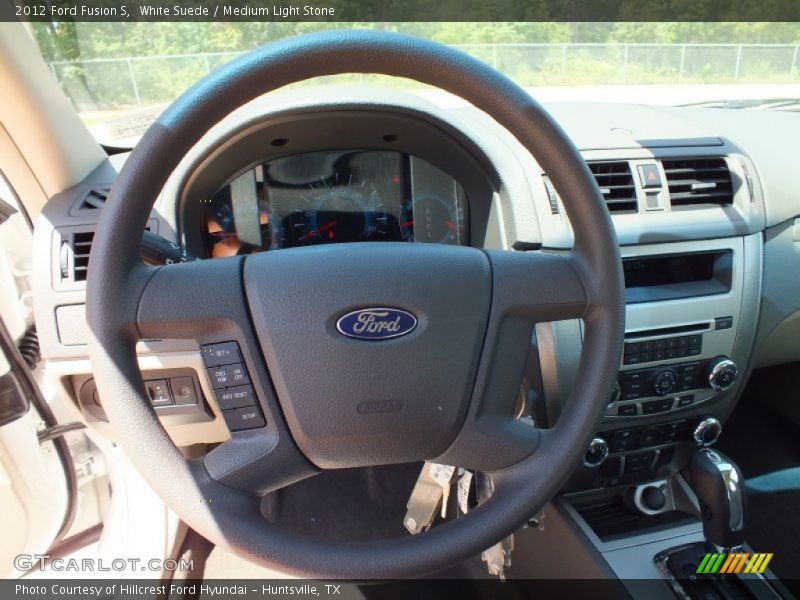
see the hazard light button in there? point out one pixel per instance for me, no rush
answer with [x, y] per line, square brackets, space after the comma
[649, 176]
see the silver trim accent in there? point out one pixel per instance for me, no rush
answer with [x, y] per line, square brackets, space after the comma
[712, 375]
[703, 426]
[663, 485]
[597, 444]
[733, 487]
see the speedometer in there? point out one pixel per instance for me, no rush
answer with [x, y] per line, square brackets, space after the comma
[340, 213]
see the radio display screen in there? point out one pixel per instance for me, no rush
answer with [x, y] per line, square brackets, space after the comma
[668, 277]
[668, 270]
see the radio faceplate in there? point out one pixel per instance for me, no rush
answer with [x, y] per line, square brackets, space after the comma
[647, 392]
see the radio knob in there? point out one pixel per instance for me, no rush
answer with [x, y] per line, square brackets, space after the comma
[597, 453]
[721, 373]
[664, 382]
[707, 431]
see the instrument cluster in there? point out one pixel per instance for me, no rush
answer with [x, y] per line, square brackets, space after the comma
[331, 197]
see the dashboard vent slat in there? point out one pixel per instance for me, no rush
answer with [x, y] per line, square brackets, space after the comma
[698, 181]
[615, 181]
[81, 247]
[95, 199]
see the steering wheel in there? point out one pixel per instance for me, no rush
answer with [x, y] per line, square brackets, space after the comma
[444, 392]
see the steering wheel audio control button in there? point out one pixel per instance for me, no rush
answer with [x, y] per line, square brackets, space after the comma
[228, 376]
[248, 417]
[235, 397]
[226, 353]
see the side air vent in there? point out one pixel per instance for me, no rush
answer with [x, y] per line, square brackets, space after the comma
[95, 199]
[616, 184]
[698, 181]
[81, 247]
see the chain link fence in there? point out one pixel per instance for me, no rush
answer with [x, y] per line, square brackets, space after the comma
[114, 83]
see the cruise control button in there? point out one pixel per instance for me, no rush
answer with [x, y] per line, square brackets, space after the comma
[240, 419]
[228, 376]
[226, 353]
[183, 390]
[235, 397]
[158, 390]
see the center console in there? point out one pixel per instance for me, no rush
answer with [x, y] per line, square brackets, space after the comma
[690, 326]
[689, 332]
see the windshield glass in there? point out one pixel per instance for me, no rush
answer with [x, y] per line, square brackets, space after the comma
[120, 76]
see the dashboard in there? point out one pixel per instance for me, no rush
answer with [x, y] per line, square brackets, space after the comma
[701, 201]
[340, 196]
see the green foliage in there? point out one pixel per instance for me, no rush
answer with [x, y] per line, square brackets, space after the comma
[95, 83]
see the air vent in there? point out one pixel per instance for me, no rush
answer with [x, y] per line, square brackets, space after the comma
[81, 247]
[698, 181]
[616, 184]
[95, 199]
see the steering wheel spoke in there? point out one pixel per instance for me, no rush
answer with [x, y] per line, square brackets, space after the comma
[535, 287]
[195, 300]
[255, 461]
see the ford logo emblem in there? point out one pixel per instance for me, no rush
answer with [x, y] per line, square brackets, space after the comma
[376, 323]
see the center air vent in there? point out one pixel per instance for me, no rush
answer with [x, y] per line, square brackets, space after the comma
[698, 181]
[616, 184]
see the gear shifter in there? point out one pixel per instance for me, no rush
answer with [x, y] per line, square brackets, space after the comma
[718, 484]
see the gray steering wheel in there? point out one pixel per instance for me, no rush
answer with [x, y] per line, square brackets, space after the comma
[440, 393]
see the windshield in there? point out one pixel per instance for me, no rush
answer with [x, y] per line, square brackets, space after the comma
[120, 76]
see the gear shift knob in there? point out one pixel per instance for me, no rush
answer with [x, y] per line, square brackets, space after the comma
[718, 484]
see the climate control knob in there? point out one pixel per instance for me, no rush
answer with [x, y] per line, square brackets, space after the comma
[597, 453]
[664, 382]
[707, 431]
[721, 373]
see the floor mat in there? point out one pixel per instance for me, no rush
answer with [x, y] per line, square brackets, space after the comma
[766, 446]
